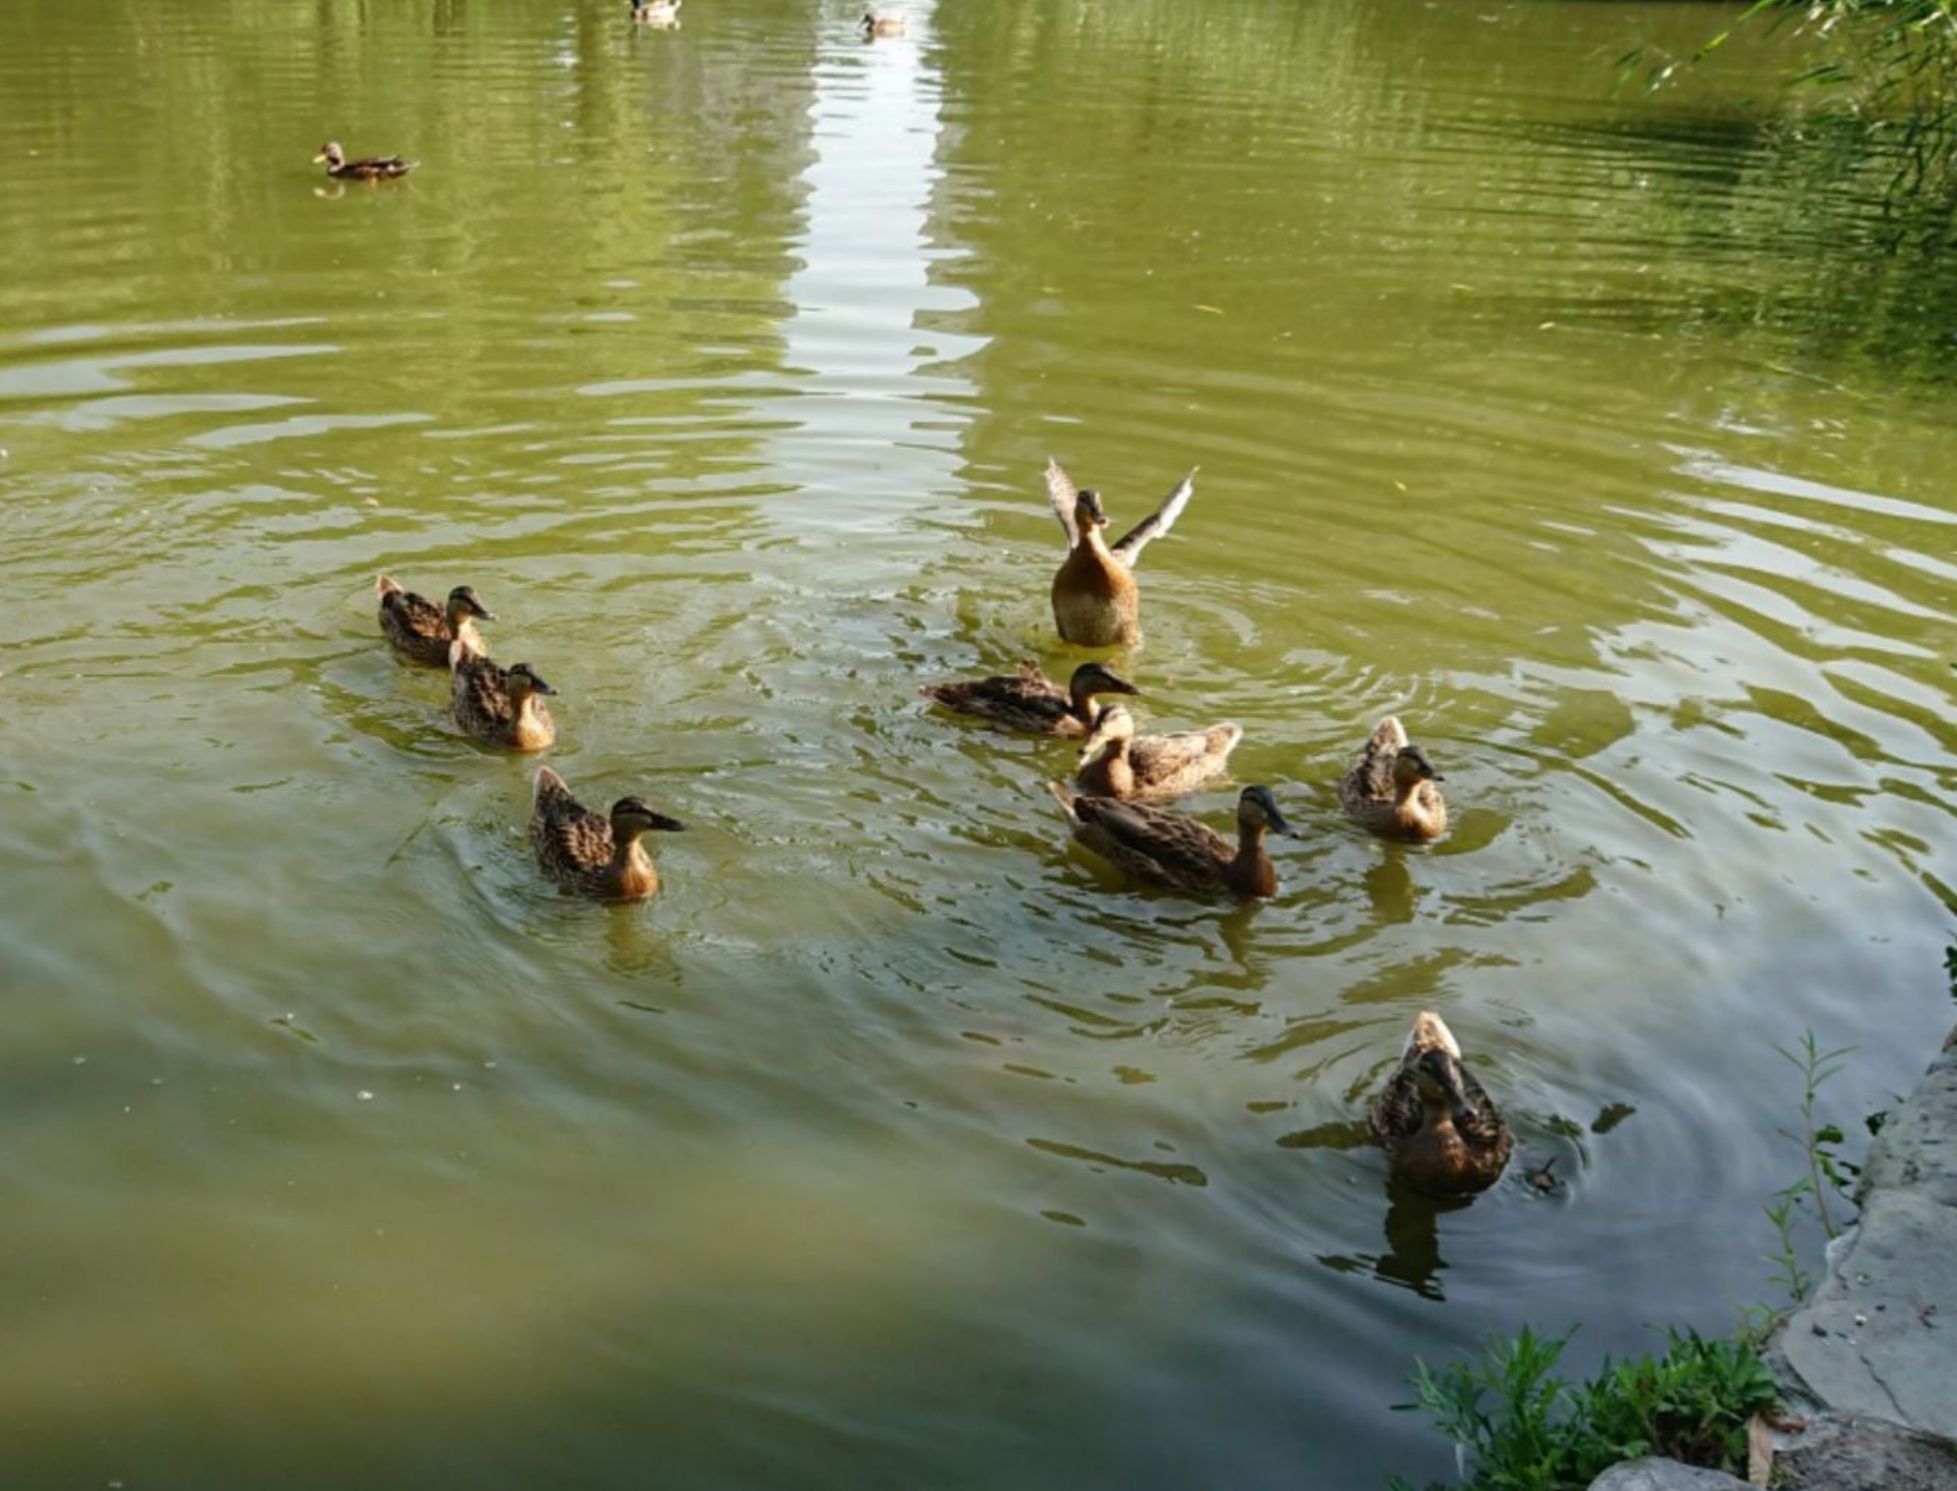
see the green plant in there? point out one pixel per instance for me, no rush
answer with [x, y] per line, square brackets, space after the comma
[1519, 1427]
[1818, 1141]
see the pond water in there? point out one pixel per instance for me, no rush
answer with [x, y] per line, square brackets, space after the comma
[896, 1143]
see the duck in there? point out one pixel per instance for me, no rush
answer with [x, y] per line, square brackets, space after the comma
[656, 12]
[1115, 762]
[876, 25]
[500, 706]
[421, 631]
[1390, 787]
[1442, 1134]
[373, 168]
[1169, 849]
[595, 854]
[1030, 702]
[1096, 602]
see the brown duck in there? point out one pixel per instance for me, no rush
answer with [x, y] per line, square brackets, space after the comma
[1168, 849]
[500, 706]
[421, 631]
[1029, 701]
[1390, 787]
[1441, 1132]
[591, 853]
[372, 168]
[1096, 602]
[1116, 762]
[875, 25]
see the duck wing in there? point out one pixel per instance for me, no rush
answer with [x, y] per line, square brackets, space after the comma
[1175, 763]
[413, 614]
[1061, 492]
[482, 690]
[1371, 776]
[1187, 852]
[1158, 522]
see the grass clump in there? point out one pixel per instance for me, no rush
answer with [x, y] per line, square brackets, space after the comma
[1517, 1426]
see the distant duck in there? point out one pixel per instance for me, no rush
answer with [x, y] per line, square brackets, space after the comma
[1168, 849]
[373, 168]
[656, 12]
[1441, 1132]
[1116, 762]
[1096, 602]
[591, 853]
[1029, 701]
[876, 25]
[500, 706]
[1390, 787]
[420, 630]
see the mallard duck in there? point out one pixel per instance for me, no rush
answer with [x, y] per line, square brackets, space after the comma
[1169, 849]
[1029, 701]
[373, 168]
[500, 706]
[591, 853]
[656, 12]
[1390, 787]
[420, 630]
[1442, 1134]
[876, 25]
[1096, 602]
[1115, 762]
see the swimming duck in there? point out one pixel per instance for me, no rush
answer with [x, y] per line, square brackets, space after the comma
[500, 706]
[373, 168]
[876, 25]
[1442, 1134]
[1169, 849]
[656, 12]
[1116, 762]
[1390, 787]
[1096, 602]
[420, 630]
[1029, 701]
[591, 853]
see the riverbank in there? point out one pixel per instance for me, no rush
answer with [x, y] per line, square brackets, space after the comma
[1869, 1366]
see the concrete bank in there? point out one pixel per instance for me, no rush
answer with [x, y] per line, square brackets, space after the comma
[1870, 1363]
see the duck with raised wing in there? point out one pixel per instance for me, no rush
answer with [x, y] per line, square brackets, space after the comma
[656, 12]
[1441, 1132]
[373, 168]
[1116, 762]
[1169, 849]
[876, 25]
[500, 706]
[1096, 602]
[595, 854]
[421, 631]
[1391, 789]
[1029, 701]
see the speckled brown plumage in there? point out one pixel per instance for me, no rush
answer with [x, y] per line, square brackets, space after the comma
[1096, 602]
[420, 630]
[1441, 1131]
[1029, 701]
[1170, 849]
[500, 706]
[1389, 788]
[596, 855]
[1116, 762]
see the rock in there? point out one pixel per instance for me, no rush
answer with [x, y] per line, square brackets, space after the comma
[1880, 1336]
[1664, 1475]
[1850, 1452]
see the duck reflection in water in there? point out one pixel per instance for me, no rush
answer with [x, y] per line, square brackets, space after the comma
[1412, 1259]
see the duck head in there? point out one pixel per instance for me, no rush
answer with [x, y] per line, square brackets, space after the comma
[462, 602]
[524, 682]
[330, 155]
[1092, 678]
[1256, 808]
[1411, 767]
[631, 817]
[1088, 512]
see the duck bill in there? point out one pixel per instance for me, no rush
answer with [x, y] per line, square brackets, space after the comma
[1279, 824]
[667, 825]
[319, 160]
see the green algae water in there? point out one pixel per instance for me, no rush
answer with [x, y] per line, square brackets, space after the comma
[1604, 438]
